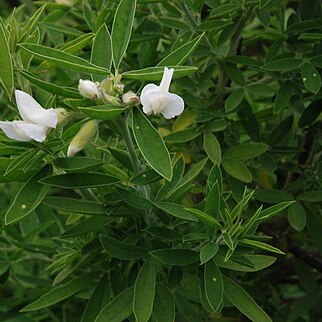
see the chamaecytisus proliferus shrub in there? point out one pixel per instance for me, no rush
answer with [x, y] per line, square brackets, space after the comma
[160, 160]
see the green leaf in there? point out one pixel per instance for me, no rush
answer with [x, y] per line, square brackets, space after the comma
[164, 305]
[245, 151]
[151, 145]
[156, 73]
[296, 216]
[260, 245]
[102, 51]
[261, 90]
[225, 9]
[146, 177]
[246, 263]
[175, 257]
[214, 286]
[79, 180]
[181, 54]
[144, 291]
[212, 148]
[310, 114]
[168, 186]
[60, 293]
[50, 87]
[62, 29]
[273, 210]
[121, 29]
[31, 23]
[234, 100]
[75, 205]
[283, 95]
[102, 112]
[88, 225]
[237, 170]
[176, 23]
[304, 25]
[98, 300]
[283, 65]
[188, 178]
[311, 196]
[63, 59]
[78, 164]
[244, 303]
[311, 78]
[272, 195]
[175, 210]
[6, 70]
[234, 73]
[281, 131]
[182, 136]
[208, 251]
[28, 198]
[205, 218]
[119, 308]
[133, 199]
[249, 121]
[121, 250]
[317, 61]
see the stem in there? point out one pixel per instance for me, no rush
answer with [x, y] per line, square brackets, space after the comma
[123, 125]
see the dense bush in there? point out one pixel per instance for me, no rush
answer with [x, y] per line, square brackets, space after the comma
[123, 213]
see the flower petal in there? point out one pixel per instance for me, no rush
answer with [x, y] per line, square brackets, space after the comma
[32, 112]
[173, 106]
[166, 79]
[33, 131]
[148, 93]
[12, 133]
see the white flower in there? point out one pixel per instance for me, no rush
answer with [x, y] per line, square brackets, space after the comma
[82, 138]
[88, 89]
[157, 99]
[36, 120]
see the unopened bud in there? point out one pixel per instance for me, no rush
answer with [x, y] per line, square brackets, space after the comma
[111, 99]
[68, 3]
[107, 86]
[62, 114]
[88, 89]
[130, 98]
[119, 88]
[82, 138]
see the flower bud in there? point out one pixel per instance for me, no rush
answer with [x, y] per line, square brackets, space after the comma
[107, 86]
[119, 88]
[88, 89]
[62, 114]
[109, 99]
[68, 3]
[82, 138]
[130, 98]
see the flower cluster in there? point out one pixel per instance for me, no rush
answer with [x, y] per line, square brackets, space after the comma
[110, 90]
[37, 120]
[154, 99]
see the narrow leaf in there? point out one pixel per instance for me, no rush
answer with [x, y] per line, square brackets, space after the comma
[122, 28]
[63, 59]
[144, 291]
[60, 293]
[244, 303]
[151, 145]
[6, 69]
